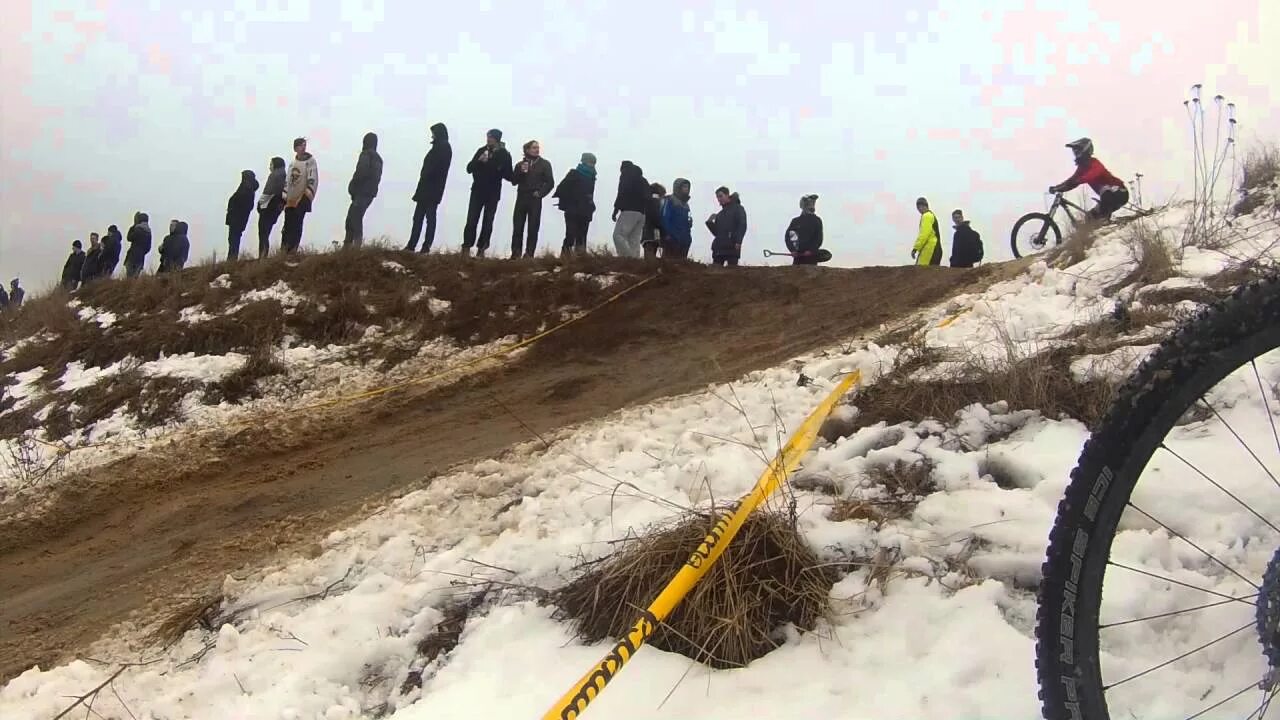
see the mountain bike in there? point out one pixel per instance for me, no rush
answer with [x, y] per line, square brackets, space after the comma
[1160, 595]
[1037, 230]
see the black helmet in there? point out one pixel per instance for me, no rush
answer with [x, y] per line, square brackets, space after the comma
[1082, 148]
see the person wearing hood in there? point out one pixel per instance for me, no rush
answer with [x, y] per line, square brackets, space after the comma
[490, 165]
[174, 249]
[629, 210]
[653, 221]
[239, 207]
[576, 195]
[430, 190]
[677, 222]
[72, 267]
[966, 244]
[363, 188]
[270, 205]
[300, 186]
[728, 228]
[928, 246]
[112, 244]
[804, 234]
[91, 267]
[16, 294]
[139, 237]
[534, 180]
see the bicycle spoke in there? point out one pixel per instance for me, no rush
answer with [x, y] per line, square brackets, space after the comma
[1243, 444]
[1188, 653]
[1185, 585]
[1202, 551]
[1171, 613]
[1214, 483]
[1265, 403]
[1220, 703]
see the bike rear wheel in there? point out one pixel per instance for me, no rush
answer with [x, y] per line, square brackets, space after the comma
[1169, 388]
[1032, 233]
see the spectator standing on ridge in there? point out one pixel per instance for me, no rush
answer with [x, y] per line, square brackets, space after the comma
[4, 298]
[430, 190]
[139, 245]
[1112, 193]
[112, 243]
[677, 222]
[16, 294]
[966, 244]
[72, 267]
[174, 249]
[239, 207]
[729, 228]
[577, 201]
[804, 234]
[363, 188]
[928, 247]
[490, 165]
[270, 205]
[629, 210]
[91, 268]
[300, 187]
[653, 221]
[534, 180]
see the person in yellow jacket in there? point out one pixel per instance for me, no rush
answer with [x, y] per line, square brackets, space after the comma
[928, 247]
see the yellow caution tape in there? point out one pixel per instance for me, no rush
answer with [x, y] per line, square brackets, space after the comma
[575, 701]
[951, 319]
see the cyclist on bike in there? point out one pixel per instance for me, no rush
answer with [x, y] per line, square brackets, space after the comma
[1112, 194]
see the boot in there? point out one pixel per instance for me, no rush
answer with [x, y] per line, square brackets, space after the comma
[466, 251]
[480, 253]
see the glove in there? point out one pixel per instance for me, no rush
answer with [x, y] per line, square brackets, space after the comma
[615, 215]
[1053, 189]
[914, 253]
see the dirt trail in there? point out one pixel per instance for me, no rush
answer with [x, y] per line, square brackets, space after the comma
[149, 533]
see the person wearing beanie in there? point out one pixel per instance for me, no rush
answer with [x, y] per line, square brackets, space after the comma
[576, 195]
[239, 207]
[629, 210]
[300, 186]
[430, 190]
[72, 267]
[363, 188]
[270, 205]
[112, 245]
[677, 221]
[534, 180]
[490, 165]
[139, 238]
[928, 246]
[653, 221]
[804, 234]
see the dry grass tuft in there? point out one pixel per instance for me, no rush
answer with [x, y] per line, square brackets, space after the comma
[903, 486]
[1076, 247]
[443, 638]
[767, 578]
[242, 384]
[1155, 261]
[1261, 168]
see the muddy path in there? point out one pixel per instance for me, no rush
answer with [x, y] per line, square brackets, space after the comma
[152, 533]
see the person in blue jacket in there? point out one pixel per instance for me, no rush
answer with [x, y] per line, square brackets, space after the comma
[677, 222]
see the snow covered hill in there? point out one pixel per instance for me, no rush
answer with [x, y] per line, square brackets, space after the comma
[934, 489]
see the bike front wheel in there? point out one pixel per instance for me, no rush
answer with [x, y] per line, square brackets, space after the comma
[1032, 233]
[1190, 558]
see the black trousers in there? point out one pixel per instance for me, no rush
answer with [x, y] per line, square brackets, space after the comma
[1110, 201]
[355, 221]
[291, 234]
[723, 260]
[233, 242]
[486, 205]
[527, 208]
[575, 233]
[266, 221]
[423, 211]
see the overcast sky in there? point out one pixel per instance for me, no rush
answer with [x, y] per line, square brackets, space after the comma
[113, 106]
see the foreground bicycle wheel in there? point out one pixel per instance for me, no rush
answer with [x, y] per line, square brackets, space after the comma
[1189, 623]
[1033, 233]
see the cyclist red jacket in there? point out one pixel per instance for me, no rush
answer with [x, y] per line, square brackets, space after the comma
[1092, 173]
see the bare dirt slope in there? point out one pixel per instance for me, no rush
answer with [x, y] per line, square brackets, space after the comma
[150, 533]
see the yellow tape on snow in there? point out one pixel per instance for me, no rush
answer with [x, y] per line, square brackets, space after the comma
[951, 319]
[574, 702]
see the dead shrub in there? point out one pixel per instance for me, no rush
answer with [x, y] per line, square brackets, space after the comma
[1075, 248]
[443, 638]
[242, 383]
[767, 578]
[1155, 261]
[1260, 168]
[899, 487]
[152, 400]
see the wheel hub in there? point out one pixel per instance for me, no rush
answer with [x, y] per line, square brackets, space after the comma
[1268, 615]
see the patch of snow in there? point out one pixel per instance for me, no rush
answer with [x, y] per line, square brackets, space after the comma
[25, 389]
[78, 376]
[201, 368]
[1115, 366]
[194, 314]
[280, 292]
[222, 281]
[104, 318]
[394, 266]
[438, 306]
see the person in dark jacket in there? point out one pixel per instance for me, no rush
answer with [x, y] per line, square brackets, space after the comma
[804, 234]
[175, 249]
[239, 207]
[576, 194]
[653, 221]
[629, 210]
[270, 205]
[91, 268]
[363, 188]
[966, 244]
[16, 294]
[490, 165]
[4, 298]
[112, 244]
[534, 180]
[729, 228]
[677, 222]
[139, 237]
[430, 190]
[72, 268]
